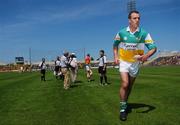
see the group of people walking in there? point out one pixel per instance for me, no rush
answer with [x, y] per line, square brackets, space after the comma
[66, 68]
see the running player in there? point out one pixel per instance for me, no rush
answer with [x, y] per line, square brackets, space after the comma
[130, 43]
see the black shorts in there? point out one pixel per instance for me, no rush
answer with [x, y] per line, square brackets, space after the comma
[43, 71]
[101, 71]
[57, 68]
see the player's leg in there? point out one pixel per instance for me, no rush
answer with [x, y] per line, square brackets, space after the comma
[72, 74]
[123, 94]
[44, 75]
[105, 77]
[133, 72]
[100, 71]
[68, 79]
[75, 74]
[41, 75]
[90, 73]
[124, 86]
[101, 79]
[60, 73]
[57, 71]
[131, 82]
[64, 71]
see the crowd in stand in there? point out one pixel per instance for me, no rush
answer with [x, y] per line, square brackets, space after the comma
[169, 60]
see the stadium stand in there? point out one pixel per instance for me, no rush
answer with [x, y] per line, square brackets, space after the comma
[165, 58]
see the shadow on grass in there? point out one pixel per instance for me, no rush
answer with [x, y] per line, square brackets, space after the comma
[78, 81]
[146, 108]
[49, 79]
[76, 84]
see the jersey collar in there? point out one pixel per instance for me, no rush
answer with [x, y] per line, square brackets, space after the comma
[128, 29]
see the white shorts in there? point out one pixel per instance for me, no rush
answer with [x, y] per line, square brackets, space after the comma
[87, 68]
[131, 68]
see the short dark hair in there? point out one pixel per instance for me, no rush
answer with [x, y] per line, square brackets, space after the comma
[66, 54]
[134, 11]
[102, 51]
[43, 59]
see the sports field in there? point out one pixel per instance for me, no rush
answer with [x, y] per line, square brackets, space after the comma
[25, 100]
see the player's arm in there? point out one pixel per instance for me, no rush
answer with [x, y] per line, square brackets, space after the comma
[104, 66]
[105, 63]
[148, 54]
[115, 48]
[151, 47]
[40, 64]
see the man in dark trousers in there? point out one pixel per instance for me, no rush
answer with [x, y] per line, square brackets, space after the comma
[102, 67]
[42, 67]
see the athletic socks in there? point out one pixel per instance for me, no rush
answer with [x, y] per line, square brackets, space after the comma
[123, 106]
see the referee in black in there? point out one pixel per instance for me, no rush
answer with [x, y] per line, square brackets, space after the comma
[102, 67]
[42, 67]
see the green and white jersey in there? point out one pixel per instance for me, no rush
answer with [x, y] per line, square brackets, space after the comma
[132, 44]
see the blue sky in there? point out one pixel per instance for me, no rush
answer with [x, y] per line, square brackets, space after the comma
[50, 26]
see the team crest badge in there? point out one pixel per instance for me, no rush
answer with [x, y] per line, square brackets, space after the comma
[125, 38]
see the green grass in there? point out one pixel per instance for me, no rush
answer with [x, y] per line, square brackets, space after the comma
[25, 100]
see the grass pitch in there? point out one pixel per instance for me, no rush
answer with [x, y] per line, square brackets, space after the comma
[25, 100]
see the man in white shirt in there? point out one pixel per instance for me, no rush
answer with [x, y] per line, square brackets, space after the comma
[102, 67]
[43, 67]
[57, 67]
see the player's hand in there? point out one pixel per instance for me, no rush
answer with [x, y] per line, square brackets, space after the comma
[143, 58]
[116, 60]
